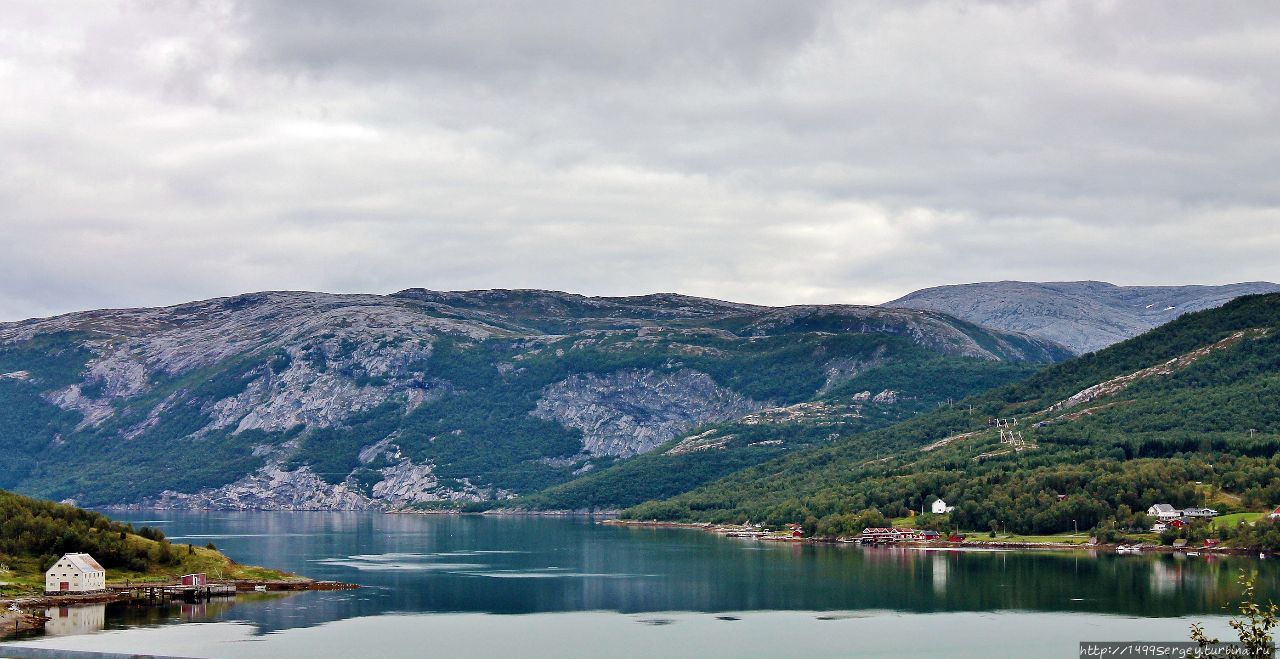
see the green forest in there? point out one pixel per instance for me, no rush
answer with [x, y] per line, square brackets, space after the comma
[926, 381]
[1207, 432]
[46, 530]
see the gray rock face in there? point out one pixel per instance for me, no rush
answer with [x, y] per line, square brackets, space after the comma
[284, 367]
[274, 488]
[633, 411]
[1084, 316]
[325, 338]
[271, 488]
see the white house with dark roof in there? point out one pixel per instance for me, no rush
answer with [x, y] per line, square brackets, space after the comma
[75, 573]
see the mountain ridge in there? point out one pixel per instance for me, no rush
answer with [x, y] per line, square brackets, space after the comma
[1082, 315]
[313, 400]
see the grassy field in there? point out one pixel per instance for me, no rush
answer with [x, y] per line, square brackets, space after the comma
[1235, 519]
[1061, 538]
[24, 577]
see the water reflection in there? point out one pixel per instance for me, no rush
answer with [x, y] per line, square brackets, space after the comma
[70, 620]
[74, 620]
[473, 564]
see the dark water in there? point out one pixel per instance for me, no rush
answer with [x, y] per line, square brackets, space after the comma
[486, 586]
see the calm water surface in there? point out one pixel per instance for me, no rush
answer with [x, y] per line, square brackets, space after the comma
[487, 586]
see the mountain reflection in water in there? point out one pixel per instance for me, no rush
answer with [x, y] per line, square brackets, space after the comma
[522, 565]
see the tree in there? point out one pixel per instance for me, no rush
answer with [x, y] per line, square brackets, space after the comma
[1253, 625]
[164, 555]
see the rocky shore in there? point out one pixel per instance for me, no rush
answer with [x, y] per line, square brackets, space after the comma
[16, 622]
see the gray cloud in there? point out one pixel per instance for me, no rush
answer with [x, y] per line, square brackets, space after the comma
[154, 152]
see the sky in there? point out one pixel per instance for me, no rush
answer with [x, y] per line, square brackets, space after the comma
[155, 152]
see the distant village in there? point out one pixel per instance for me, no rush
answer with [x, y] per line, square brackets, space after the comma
[1167, 517]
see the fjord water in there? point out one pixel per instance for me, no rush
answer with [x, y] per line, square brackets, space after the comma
[535, 586]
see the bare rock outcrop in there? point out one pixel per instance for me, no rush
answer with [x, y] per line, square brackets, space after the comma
[635, 410]
[270, 488]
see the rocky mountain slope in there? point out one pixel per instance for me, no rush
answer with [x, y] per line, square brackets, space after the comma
[1082, 315]
[311, 400]
[874, 396]
[1185, 414]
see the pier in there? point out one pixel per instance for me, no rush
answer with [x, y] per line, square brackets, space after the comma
[160, 593]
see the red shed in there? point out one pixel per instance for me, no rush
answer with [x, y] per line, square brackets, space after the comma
[199, 579]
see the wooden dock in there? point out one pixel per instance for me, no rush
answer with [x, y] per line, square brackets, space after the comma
[160, 593]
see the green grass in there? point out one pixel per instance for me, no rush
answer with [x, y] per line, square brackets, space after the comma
[985, 536]
[24, 576]
[1235, 519]
[197, 559]
[1059, 538]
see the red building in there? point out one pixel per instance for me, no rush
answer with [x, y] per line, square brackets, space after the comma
[200, 579]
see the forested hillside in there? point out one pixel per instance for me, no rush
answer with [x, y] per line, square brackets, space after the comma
[919, 384]
[309, 400]
[34, 533]
[1184, 414]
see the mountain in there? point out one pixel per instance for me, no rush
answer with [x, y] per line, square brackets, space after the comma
[878, 396]
[1185, 414]
[1082, 315]
[312, 400]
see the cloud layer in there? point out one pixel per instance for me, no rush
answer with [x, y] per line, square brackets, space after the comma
[155, 152]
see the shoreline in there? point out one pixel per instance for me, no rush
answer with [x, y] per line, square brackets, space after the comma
[505, 512]
[13, 623]
[27, 620]
[117, 592]
[732, 530]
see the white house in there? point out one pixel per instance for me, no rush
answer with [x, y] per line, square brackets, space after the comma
[1164, 512]
[74, 620]
[940, 507]
[1199, 512]
[75, 573]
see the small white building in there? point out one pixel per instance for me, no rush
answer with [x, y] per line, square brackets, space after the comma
[75, 573]
[940, 507]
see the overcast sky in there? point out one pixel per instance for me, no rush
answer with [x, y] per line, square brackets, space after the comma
[772, 152]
